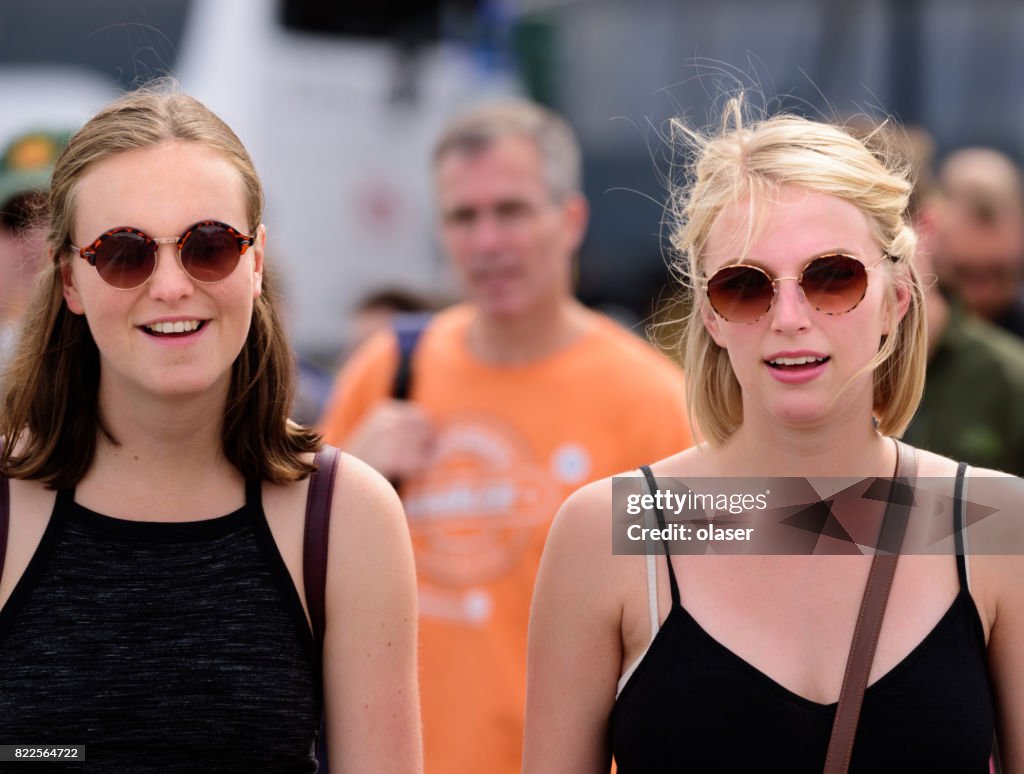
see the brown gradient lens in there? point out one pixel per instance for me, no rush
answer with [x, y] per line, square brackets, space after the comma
[740, 294]
[834, 284]
[210, 252]
[125, 259]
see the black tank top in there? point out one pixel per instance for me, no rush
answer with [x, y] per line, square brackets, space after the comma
[694, 705]
[160, 646]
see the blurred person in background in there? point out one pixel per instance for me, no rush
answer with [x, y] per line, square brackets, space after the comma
[25, 167]
[377, 311]
[518, 397]
[973, 403]
[979, 247]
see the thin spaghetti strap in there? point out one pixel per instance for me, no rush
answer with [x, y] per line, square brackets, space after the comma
[653, 485]
[960, 525]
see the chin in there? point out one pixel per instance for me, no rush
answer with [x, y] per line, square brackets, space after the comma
[190, 385]
[805, 413]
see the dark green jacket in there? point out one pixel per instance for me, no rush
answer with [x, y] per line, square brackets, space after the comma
[973, 404]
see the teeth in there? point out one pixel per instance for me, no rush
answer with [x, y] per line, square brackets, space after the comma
[793, 361]
[180, 326]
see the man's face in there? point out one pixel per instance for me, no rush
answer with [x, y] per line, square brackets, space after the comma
[511, 242]
[982, 260]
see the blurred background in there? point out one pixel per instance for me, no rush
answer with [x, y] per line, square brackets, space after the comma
[340, 102]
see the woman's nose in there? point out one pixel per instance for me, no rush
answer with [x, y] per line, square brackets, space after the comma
[169, 281]
[790, 308]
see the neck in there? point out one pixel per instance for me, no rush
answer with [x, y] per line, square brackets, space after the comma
[528, 337]
[845, 445]
[164, 445]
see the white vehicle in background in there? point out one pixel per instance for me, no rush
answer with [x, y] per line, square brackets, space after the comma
[340, 130]
[49, 98]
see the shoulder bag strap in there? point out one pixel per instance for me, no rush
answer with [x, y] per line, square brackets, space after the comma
[314, 545]
[872, 610]
[5, 514]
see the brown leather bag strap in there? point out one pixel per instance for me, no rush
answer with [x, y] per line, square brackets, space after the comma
[5, 516]
[872, 611]
[314, 545]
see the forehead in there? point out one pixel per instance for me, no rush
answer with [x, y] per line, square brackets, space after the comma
[786, 227]
[507, 164]
[162, 190]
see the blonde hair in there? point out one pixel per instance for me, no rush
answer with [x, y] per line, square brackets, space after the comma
[49, 417]
[752, 160]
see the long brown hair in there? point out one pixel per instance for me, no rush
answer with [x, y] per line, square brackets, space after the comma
[49, 416]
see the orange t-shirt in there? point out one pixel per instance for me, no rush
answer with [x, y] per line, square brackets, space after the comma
[513, 442]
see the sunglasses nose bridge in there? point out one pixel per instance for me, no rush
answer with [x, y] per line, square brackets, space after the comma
[777, 287]
[168, 275]
[788, 307]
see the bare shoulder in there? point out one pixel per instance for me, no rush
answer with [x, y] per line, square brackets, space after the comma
[932, 465]
[370, 691]
[994, 539]
[364, 505]
[366, 518]
[580, 544]
[583, 515]
[31, 504]
[30, 497]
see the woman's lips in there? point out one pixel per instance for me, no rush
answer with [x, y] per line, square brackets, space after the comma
[796, 369]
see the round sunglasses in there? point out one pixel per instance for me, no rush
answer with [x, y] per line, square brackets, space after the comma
[125, 258]
[834, 284]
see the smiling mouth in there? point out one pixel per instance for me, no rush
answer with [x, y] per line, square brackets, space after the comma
[796, 363]
[171, 329]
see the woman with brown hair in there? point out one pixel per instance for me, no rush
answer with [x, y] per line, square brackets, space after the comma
[152, 604]
[805, 357]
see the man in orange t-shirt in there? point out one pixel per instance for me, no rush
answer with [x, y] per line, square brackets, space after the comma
[519, 397]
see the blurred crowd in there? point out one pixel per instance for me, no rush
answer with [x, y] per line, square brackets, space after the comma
[519, 388]
[968, 208]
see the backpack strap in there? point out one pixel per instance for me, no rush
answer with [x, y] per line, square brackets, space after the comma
[408, 329]
[314, 544]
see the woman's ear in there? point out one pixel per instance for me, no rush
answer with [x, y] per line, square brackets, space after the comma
[895, 312]
[258, 249]
[71, 295]
[711, 323]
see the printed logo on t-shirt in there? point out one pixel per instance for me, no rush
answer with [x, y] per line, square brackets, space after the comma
[570, 464]
[474, 511]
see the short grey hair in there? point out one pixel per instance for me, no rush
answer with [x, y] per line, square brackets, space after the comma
[480, 126]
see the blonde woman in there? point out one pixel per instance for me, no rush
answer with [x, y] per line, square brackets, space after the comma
[805, 356]
[152, 603]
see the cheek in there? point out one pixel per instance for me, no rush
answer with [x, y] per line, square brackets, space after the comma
[239, 303]
[456, 244]
[880, 314]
